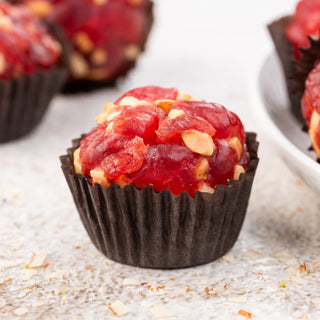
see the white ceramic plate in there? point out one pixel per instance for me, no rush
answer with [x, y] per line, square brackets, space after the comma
[271, 104]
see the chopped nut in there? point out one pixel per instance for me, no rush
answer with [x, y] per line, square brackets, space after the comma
[102, 117]
[174, 113]
[198, 142]
[162, 313]
[5, 23]
[202, 170]
[109, 127]
[238, 170]
[8, 263]
[113, 115]
[99, 176]
[100, 2]
[131, 282]
[38, 259]
[40, 8]
[206, 188]
[129, 101]
[99, 57]
[314, 125]
[181, 95]
[78, 65]
[20, 311]
[77, 161]
[2, 63]
[131, 52]
[236, 144]
[119, 309]
[164, 104]
[83, 42]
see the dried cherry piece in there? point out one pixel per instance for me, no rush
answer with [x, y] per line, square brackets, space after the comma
[25, 44]
[225, 122]
[222, 163]
[151, 94]
[168, 167]
[141, 121]
[106, 36]
[169, 129]
[97, 145]
[306, 21]
[126, 161]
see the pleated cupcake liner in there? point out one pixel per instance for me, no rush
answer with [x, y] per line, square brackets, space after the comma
[295, 71]
[144, 228]
[284, 50]
[76, 86]
[25, 100]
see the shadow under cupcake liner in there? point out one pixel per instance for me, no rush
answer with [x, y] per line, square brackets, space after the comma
[24, 101]
[159, 230]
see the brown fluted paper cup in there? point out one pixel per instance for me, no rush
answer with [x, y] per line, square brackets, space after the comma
[159, 230]
[24, 101]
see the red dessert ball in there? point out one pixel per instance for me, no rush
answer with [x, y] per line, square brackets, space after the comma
[106, 36]
[310, 105]
[25, 44]
[306, 21]
[165, 139]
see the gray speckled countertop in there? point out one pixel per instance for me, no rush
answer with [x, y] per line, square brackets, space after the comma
[273, 271]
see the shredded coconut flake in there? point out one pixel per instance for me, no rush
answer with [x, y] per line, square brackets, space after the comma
[119, 309]
[38, 259]
[8, 264]
[127, 282]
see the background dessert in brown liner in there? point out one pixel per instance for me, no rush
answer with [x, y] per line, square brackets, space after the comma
[295, 71]
[159, 230]
[73, 86]
[24, 101]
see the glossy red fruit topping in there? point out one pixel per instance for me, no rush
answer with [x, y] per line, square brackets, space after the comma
[25, 44]
[106, 35]
[306, 22]
[184, 145]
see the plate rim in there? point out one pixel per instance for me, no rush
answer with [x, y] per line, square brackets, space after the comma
[269, 126]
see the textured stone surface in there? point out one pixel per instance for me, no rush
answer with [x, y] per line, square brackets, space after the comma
[76, 282]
